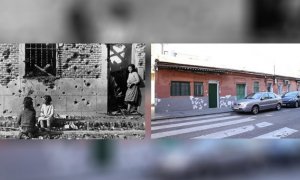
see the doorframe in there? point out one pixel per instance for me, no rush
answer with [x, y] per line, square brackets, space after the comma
[218, 91]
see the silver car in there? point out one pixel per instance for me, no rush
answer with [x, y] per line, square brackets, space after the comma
[256, 102]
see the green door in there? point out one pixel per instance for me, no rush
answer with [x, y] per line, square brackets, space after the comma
[240, 91]
[212, 95]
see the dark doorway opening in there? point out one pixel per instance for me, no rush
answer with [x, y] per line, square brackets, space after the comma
[119, 59]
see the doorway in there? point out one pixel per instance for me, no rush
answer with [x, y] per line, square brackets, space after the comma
[119, 59]
[240, 91]
[213, 95]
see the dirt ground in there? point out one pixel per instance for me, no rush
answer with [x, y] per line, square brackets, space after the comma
[100, 127]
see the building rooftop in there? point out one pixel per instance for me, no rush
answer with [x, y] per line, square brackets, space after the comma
[161, 64]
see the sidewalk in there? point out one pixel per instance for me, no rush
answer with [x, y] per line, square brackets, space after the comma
[182, 114]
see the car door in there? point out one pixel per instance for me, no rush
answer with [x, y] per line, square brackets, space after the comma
[264, 103]
[272, 101]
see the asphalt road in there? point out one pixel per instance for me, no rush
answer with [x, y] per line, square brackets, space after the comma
[265, 125]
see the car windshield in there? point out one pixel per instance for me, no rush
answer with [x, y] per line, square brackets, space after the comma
[290, 94]
[254, 96]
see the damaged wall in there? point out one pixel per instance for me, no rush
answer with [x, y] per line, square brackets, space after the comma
[9, 62]
[80, 91]
[80, 60]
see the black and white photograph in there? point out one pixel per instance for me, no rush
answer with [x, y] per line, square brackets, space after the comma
[72, 91]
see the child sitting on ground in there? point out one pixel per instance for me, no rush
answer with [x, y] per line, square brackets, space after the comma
[27, 119]
[47, 113]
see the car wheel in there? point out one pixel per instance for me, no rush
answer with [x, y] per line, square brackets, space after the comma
[278, 106]
[255, 110]
[296, 104]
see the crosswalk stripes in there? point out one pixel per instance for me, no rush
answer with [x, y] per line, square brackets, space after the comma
[188, 118]
[193, 123]
[263, 124]
[190, 128]
[280, 133]
[234, 131]
[227, 133]
[198, 128]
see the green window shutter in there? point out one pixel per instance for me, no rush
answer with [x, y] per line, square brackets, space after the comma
[180, 88]
[256, 87]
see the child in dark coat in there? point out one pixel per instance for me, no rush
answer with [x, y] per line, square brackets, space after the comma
[27, 119]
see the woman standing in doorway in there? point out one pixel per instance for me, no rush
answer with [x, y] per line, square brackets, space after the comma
[133, 93]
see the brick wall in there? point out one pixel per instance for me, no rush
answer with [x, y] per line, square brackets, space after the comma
[164, 102]
[74, 92]
[9, 63]
[227, 82]
[79, 60]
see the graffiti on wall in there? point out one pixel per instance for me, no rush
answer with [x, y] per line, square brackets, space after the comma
[227, 101]
[198, 102]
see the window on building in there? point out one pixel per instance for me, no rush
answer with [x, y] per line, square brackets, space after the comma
[179, 88]
[279, 88]
[40, 60]
[198, 89]
[288, 88]
[256, 87]
[270, 88]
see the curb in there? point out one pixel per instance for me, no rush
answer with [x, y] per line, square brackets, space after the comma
[183, 116]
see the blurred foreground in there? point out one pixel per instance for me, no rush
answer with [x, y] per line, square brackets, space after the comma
[150, 21]
[234, 159]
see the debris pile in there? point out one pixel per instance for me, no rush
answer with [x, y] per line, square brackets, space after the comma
[75, 127]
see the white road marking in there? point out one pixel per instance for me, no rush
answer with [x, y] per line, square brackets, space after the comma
[263, 124]
[227, 133]
[192, 123]
[269, 115]
[280, 133]
[198, 128]
[188, 118]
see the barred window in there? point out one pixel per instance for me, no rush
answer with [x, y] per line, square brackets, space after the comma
[40, 60]
[256, 87]
[198, 88]
[179, 88]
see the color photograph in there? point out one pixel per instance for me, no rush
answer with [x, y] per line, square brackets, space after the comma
[212, 91]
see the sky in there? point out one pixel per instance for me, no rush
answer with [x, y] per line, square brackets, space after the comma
[250, 57]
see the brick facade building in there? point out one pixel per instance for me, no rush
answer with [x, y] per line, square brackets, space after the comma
[189, 87]
[75, 75]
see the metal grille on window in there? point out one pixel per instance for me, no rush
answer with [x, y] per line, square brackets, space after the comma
[40, 60]
[198, 89]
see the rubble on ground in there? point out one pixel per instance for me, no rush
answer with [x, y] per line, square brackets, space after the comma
[78, 127]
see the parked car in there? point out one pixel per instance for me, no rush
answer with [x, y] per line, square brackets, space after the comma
[256, 102]
[291, 99]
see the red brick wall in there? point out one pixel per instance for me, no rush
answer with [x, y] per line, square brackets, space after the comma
[9, 63]
[227, 82]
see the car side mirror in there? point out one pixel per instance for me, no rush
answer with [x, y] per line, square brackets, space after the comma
[262, 98]
[298, 96]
